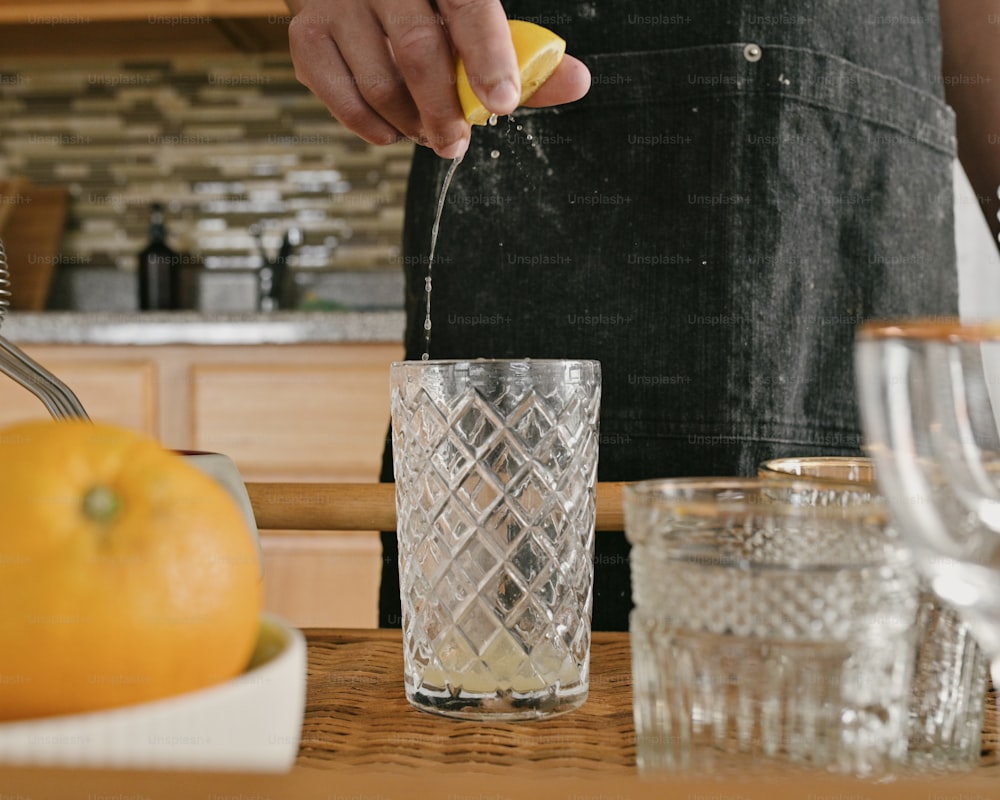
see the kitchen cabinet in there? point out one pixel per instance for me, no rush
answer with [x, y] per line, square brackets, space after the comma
[69, 12]
[308, 412]
[293, 421]
[103, 29]
[118, 389]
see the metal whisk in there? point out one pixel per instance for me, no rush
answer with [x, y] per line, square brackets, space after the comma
[57, 397]
[4, 283]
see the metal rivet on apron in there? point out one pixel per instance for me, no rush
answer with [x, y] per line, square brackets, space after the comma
[752, 52]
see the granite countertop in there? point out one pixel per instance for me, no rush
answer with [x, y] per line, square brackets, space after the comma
[198, 328]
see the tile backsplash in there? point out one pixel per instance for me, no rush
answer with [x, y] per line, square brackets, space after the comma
[223, 141]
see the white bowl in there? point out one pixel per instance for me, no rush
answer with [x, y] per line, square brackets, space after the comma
[224, 470]
[251, 723]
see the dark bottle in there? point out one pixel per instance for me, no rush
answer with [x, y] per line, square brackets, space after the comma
[159, 268]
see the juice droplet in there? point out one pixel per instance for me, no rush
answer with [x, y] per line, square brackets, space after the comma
[495, 154]
[492, 121]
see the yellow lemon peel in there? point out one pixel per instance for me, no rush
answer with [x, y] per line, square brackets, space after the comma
[539, 52]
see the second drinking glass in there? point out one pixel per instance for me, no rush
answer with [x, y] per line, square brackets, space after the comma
[765, 630]
[950, 672]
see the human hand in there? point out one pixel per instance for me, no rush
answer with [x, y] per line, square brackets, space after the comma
[386, 68]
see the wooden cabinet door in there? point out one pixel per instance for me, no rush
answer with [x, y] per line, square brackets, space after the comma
[324, 580]
[71, 12]
[123, 392]
[305, 421]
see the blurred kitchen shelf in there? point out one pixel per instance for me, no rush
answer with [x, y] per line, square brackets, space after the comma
[154, 30]
[48, 11]
[109, 290]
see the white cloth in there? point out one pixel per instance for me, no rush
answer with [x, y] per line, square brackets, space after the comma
[978, 257]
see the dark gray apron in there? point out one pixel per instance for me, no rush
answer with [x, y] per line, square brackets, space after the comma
[743, 185]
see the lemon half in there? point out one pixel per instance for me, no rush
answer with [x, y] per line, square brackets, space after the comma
[539, 52]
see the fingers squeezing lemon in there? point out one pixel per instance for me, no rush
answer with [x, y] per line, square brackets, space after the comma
[539, 52]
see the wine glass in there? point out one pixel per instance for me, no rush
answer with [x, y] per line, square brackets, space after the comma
[929, 393]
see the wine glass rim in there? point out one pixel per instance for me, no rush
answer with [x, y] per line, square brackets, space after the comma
[701, 494]
[837, 469]
[938, 329]
[589, 363]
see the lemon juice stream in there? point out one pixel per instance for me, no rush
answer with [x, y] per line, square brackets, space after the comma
[435, 228]
[428, 280]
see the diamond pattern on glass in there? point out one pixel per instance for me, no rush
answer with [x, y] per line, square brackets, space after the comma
[479, 491]
[474, 423]
[506, 458]
[531, 420]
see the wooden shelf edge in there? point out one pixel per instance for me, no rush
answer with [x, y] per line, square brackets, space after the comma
[367, 506]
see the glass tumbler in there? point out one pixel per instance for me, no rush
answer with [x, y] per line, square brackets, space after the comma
[836, 469]
[496, 467]
[767, 631]
[950, 672]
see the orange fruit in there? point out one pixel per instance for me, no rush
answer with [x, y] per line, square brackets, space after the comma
[126, 574]
[539, 51]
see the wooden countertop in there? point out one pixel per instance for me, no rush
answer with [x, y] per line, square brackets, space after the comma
[361, 739]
